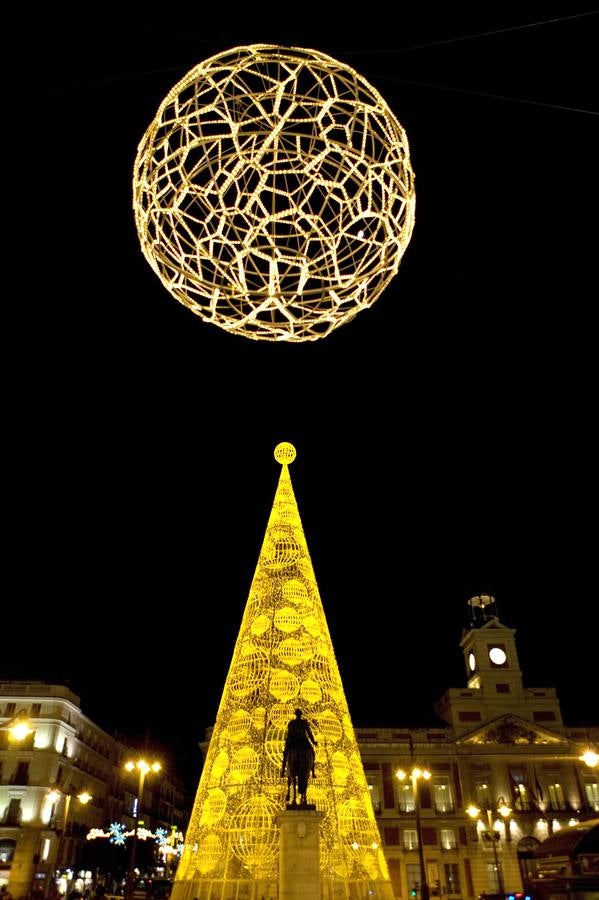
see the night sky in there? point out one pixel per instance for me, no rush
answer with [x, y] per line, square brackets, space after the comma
[445, 437]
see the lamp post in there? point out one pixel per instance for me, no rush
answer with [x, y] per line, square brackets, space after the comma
[504, 810]
[143, 767]
[18, 728]
[415, 774]
[54, 796]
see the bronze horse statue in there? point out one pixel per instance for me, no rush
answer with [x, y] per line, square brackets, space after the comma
[298, 759]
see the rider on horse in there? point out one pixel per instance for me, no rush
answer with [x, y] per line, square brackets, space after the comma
[299, 733]
[299, 745]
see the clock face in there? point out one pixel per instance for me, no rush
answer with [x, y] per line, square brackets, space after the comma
[497, 656]
[471, 661]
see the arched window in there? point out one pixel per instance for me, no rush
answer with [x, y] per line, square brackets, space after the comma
[7, 850]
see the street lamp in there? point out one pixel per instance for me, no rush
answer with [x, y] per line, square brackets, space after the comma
[54, 796]
[590, 758]
[19, 727]
[415, 774]
[143, 767]
[504, 810]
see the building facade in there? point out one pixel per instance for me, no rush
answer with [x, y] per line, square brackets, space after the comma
[505, 773]
[63, 779]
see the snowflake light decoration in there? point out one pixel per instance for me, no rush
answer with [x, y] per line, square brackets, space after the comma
[117, 833]
[273, 193]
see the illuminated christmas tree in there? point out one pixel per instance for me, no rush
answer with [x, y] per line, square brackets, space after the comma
[283, 659]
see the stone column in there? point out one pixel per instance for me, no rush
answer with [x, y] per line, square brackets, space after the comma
[299, 854]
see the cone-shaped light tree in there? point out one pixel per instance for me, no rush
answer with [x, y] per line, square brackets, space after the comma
[283, 659]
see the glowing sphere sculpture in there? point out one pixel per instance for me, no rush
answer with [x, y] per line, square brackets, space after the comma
[273, 193]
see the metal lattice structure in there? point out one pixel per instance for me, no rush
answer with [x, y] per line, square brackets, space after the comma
[283, 658]
[273, 193]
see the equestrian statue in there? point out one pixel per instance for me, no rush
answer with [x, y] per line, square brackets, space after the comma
[298, 759]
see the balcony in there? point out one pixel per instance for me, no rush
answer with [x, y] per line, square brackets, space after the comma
[11, 821]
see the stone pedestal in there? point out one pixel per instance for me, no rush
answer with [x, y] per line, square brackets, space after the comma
[299, 854]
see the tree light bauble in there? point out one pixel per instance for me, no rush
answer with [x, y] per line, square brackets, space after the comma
[273, 193]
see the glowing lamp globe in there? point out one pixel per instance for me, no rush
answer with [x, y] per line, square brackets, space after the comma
[273, 193]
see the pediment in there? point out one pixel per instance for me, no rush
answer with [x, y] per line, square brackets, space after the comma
[511, 729]
[493, 627]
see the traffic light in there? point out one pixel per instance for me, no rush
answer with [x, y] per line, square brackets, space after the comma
[415, 889]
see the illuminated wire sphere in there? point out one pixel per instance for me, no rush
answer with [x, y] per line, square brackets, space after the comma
[273, 193]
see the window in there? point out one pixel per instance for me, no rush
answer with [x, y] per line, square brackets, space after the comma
[556, 796]
[413, 877]
[375, 793]
[452, 878]
[10, 709]
[442, 794]
[591, 789]
[448, 839]
[493, 877]
[522, 800]
[21, 775]
[410, 839]
[391, 836]
[36, 709]
[7, 850]
[481, 789]
[521, 797]
[13, 815]
[405, 798]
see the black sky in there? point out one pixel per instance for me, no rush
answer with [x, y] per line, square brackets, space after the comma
[446, 437]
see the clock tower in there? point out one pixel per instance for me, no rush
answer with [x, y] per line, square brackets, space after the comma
[489, 650]
[494, 689]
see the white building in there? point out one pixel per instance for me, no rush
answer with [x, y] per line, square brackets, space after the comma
[43, 824]
[503, 773]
